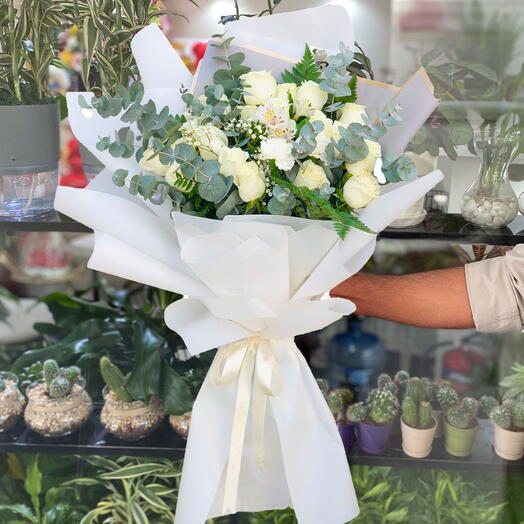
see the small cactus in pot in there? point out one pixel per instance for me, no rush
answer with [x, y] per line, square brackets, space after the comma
[461, 426]
[508, 419]
[338, 401]
[12, 402]
[58, 403]
[417, 422]
[123, 415]
[487, 403]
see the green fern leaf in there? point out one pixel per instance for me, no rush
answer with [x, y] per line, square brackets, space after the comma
[353, 97]
[305, 70]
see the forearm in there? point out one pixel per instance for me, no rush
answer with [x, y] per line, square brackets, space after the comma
[437, 299]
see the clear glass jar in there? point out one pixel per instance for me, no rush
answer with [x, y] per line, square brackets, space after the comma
[28, 196]
[130, 420]
[12, 402]
[490, 201]
[57, 417]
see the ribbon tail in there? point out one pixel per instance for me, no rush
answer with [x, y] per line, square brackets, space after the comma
[238, 433]
[259, 419]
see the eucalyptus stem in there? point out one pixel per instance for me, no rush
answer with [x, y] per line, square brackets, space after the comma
[270, 6]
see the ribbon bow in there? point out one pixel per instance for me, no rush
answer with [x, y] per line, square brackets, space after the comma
[252, 363]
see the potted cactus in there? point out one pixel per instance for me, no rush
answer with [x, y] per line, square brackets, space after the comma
[374, 419]
[441, 396]
[123, 415]
[386, 382]
[508, 419]
[400, 379]
[12, 402]
[338, 401]
[460, 427]
[58, 404]
[417, 422]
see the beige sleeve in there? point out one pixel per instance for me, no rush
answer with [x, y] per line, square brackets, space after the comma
[496, 291]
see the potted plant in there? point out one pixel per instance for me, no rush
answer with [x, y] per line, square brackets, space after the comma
[123, 415]
[29, 115]
[417, 421]
[58, 404]
[400, 379]
[460, 427]
[385, 381]
[338, 401]
[441, 396]
[12, 402]
[508, 419]
[374, 419]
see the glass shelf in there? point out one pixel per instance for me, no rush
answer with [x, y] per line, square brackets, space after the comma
[92, 439]
[436, 226]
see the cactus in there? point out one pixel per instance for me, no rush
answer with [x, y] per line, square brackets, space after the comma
[383, 406]
[50, 371]
[60, 387]
[356, 412]
[115, 380]
[425, 415]
[323, 385]
[447, 397]
[338, 400]
[401, 377]
[415, 389]
[409, 412]
[501, 415]
[471, 405]
[487, 403]
[517, 413]
[2, 384]
[391, 386]
[383, 380]
[71, 373]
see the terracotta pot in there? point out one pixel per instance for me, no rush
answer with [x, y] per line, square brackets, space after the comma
[417, 442]
[459, 442]
[509, 445]
[374, 439]
[437, 415]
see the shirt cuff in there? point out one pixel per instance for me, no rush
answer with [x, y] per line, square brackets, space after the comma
[492, 296]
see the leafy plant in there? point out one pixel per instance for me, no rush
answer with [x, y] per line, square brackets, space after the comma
[514, 384]
[306, 69]
[27, 48]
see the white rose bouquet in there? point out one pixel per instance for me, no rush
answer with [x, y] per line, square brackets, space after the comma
[273, 157]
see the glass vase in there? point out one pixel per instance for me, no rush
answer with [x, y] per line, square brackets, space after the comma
[490, 201]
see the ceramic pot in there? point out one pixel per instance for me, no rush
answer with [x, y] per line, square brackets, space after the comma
[56, 417]
[438, 416]
[28, 161]
[12, 402]
[459, 442]
[347, 433]
[509, 445]
[130, 420]
[374, 439]
[416, 442]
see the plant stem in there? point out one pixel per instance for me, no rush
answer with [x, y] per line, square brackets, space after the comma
[270, 7]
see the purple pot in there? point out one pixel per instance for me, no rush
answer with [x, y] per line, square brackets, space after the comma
[374, 439]
[347, 432]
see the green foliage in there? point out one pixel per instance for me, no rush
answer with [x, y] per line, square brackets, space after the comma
[487, 403]
[114, 380]
[514, 384]
[305, 70]
[517, 414]
[501, 415]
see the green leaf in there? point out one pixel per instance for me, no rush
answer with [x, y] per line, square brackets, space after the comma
[132, 472]
[19, 509]
[305, 70]
[136, 92]
[215, 189]
[33, 482]
[175, 391]
[119, 177]
[461, 133]
[82, 102]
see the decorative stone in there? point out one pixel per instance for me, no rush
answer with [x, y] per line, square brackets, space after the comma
[488, 211]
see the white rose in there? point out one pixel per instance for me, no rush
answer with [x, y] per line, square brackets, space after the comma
[176, 179]
[284, 90]
[250, 181]
[230, 159]
[311, 175]
[365, 166]
[279, 150]
[248, 113]
[361, 191]
[351, 114]
[309, 98]
[261, 86]
[150, 161]
[210, 141]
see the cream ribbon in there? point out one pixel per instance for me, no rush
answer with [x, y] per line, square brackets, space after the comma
[252, 363]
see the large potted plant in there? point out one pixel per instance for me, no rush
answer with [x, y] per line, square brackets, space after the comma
[29, 116]
[417, 421]
[460, 427]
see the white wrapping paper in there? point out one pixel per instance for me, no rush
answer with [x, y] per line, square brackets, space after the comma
[262, 436]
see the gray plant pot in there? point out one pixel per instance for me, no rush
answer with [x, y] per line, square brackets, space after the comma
[29, 154]
[92, 166]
